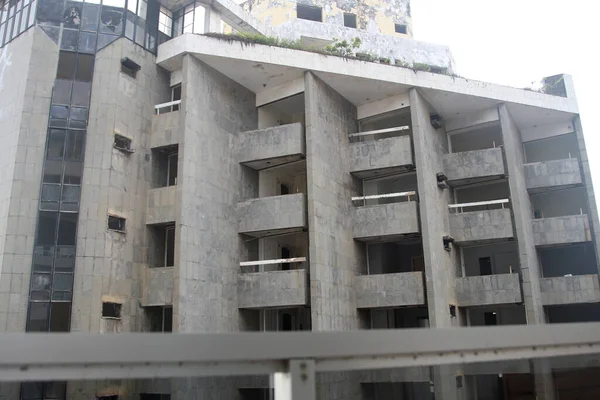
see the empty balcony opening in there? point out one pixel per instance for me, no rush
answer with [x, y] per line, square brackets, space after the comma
[391, 124]
[571, 260]
[165, 166]
[497, 315]
[162, 246]
[480, 137]
[282, 180]
[350, 20]
[310, 13]
[391, 189]
[491, 259]
[399, 318]
[159, 319]
[491, 387]
[279, 253]
[285, 319]
[396, 390]
[396, 257]
[493, 195]
[282, 112]
[560, 203]
[562, 314]
[560, 147]
[111, 310]
[257, 394]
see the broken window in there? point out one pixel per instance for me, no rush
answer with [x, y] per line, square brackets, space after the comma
[400, 28]
[129, 67]
[72, 16]
[309, 12]
[122, 143]
[111, 20]
[116, 223]
[111, 310]
[91, 13]
[350, 20]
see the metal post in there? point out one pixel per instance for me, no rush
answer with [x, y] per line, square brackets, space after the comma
[298, 383]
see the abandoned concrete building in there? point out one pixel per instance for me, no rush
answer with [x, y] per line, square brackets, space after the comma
[157, 178]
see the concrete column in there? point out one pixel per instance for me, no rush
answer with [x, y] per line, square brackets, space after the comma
[522, 220]
[335, 258]
[441, 266]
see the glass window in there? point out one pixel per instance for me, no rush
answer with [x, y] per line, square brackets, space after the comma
[114, 3]
[24, 18]
[42, 258]
[62, 91]
[31, 390]
[32, 14]
[79, 113]
[116, 223]
[41, 281]
[47, 222]
[165, 21]
[74, 146]
[132, 6]
[73, 171]
[85, 66]
[59, 111]
[72, 16]
[89, 22]
[56, 144]
[87, 42]
[70, 39]
[63, 282]
[67, 229]
[142, 9]
[140, 32]
[55, 390]
[66, 65]
[81, 94]
[50, 192]
[53, 171]
[70, 194]
[60, 315]
[38, 317]
[111, 20]
[130, 26]
[105, 40]
[65, 259]
[50, 12]
[199, 15]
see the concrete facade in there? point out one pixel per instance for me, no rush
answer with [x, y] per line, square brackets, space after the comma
[276, 145]
[561, 230]
[480, 226]
[382, 153]
[160, 208]
[478, 164]
[165, 129]
[570, 290]
[273, 289]
[385, 220]
[272, 213]
[390, 290]
[488, 290]
[157, 287]
[552, 173]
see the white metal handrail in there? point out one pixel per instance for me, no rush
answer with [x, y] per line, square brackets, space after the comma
[378, 131]
[170, 104]
[385, 196]
[460, 206]
[258, 265]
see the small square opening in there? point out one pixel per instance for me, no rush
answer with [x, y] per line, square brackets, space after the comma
[129, 67]
[116, 223]
[400, 28]
[123, 143]
[350, 20]
[310, 13]
[111, 310]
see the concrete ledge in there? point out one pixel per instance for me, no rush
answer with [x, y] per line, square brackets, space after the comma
[393, 219]
[413, 374]
[481, 226]
[552, 173]
[570, 289]
[498, 367]
[271, 146]
[160, 205]
[273, 289]
[488, 290]
[157, 289]
[472, 165]
[389, 290]
[272, 213]
[387, 153]
[561, 230]
[165, 130]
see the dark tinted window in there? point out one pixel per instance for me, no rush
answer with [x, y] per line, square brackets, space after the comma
[309, 12]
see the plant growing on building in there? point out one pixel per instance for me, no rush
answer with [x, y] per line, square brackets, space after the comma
[421, 67]
[343, 48]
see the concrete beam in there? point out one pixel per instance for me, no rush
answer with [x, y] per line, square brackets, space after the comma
[273, 289]
[390, 290]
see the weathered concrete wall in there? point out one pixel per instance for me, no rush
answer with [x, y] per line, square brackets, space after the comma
[478, 226]
[165, 130]
[390, 290]
[474, 164]
[211, 183]
[385, 219]
[552, 173]
[569, 229]
[570, 289]
[160, 205]
[382, 153]
[487, 290]
[416, 374]
[271, 213]
[276, 142]
[273, 289]
[335, 258]
[157, 287]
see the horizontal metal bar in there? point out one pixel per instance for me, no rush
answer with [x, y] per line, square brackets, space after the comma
[31, 356]
[269, 262]
[376, 132]
[165, 105]
[479, 203]
[383, 196]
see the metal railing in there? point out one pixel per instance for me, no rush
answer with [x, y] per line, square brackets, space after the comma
[379, 131]
[293, 358]
[258, 266]
[386, 196]
[170, 106]
[459, 207]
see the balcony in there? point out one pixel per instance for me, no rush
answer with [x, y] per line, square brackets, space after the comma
[561, 230]
[160, 205]
[386, 220]
[488, 290]
[570, 289]
[265, 148]
[276, 214]
[165, 125]
[157, 289]
[541, 176]
[390, 290]
[480, 226]
[389, 155]
[473, 166]
[278, 288]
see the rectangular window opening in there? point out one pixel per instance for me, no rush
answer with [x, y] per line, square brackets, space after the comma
[172, 169]
[116, 223]
[122, 143]
[310, 13]
[350, 20]
[129, 67]
[400, 28]
[485, 266]
[111, 310]
[170, 246]
[176, 95]
[490, 318]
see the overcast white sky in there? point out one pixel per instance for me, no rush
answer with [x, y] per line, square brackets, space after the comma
[516, 42]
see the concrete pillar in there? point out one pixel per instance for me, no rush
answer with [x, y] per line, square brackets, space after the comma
[335, 258]
[522, 220]
[441, 266]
